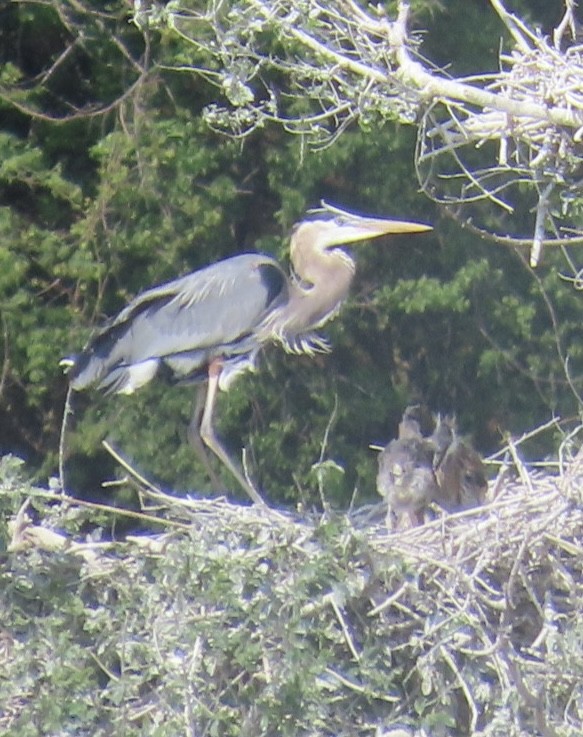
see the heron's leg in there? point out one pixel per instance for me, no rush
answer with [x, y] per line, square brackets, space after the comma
[207, 432]
[195, 440]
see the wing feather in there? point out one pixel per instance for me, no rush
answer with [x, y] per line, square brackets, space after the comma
[209, 313]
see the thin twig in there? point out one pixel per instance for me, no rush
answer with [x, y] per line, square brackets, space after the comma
[331, 599]
[67, 412]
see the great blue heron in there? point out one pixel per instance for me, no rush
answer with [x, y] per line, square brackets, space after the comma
[210, 325]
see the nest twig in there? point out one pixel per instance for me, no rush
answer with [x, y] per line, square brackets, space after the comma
[522, 148]
[472, 616]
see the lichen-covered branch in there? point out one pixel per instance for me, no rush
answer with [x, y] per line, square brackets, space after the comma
[315, 67]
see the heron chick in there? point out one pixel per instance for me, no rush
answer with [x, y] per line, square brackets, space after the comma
[459, 468]
[406, 479]
[414, 470]
[208, 326]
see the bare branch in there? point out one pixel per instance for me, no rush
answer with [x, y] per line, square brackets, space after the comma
[481, 138]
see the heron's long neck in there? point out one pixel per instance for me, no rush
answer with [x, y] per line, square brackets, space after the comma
[321, 285]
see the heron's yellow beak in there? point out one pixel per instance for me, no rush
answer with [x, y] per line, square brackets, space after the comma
[374, 227]
[352, 231]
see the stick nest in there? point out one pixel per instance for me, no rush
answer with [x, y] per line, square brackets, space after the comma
[469, 155]
[233, 620]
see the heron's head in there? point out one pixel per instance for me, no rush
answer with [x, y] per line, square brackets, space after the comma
[330, 227]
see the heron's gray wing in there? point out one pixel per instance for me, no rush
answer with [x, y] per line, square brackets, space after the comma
[208, 313]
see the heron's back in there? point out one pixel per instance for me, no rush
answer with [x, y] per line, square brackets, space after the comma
[462, 478]
[177, 328]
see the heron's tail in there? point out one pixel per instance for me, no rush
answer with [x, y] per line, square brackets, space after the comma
[84, 369]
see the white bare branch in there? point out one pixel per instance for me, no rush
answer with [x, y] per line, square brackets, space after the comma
[316, 67]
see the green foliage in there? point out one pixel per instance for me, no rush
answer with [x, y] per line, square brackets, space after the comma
[110, 181]
[239, 622]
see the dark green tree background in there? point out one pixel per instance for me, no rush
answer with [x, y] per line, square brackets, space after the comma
[110, 181]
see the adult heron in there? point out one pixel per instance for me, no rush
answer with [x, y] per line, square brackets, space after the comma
[209, 326]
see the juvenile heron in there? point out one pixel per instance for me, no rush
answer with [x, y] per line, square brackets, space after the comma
[460, 471]
[406, 477]
[415, 470]
[209, 326]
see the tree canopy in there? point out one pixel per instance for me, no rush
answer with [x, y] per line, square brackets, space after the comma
[138, 143]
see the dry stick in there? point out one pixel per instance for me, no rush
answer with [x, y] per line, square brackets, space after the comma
[430, 87]
[361, 689]
[128, 513]
[500, 479]
[515, 26]
[131, 470]
[323, 447]
[390, 600]
[568, 476]
[520, 467]
[464, 686]
[72, 502]
[533, 700]
[68, 410]
[501, 512]
[527, 436]
[332, 600]
[20, 521]
[245, 467]
[156, 493]
[568, 21]
[101, 665]
[508, 240]
[345, 682]
[564, 444]
[542, 210]
[550, 308]
[81, 113]
[571, 381]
